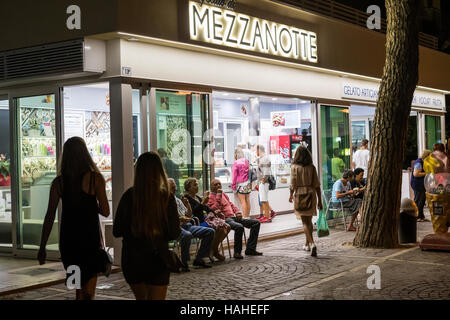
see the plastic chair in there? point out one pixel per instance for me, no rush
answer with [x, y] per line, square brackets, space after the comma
[327, 196]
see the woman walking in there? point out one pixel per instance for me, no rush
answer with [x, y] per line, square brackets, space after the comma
[241, 184]
[304, 187]
[82, 190]
[207, 217]
[146, 219]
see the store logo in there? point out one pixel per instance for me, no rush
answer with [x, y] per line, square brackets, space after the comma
[230, 4]
[74, 20]
[231, 29]
[374, 21]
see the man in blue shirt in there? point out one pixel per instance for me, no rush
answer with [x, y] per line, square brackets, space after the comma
[342, 192]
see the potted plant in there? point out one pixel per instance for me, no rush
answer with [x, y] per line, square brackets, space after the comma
[5, 178]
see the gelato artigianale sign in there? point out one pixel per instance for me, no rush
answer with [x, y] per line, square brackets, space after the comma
[233, 29]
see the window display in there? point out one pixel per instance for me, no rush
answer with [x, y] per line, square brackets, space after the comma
[37, 132]
[87, 115]
[279, 124]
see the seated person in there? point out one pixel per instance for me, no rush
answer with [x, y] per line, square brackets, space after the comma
[220, 201]
[359, 183]
[342, 191]
[207, 216]
[188, 231]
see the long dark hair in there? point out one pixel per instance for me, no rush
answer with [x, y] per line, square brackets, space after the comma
[75, 162]
[150, 197]
[302, 157]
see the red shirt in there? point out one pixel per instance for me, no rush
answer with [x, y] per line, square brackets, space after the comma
[220, 201]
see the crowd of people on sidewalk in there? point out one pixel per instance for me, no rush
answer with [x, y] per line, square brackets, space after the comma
[152, 213]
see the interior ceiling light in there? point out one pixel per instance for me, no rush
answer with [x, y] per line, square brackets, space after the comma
[133, 39]
[274, 99]
[226, 94]
[182, 93]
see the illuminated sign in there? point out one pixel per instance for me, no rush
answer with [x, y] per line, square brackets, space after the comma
[232, 29]
[369, 92]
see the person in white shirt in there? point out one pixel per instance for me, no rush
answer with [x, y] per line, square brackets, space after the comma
[361, 157]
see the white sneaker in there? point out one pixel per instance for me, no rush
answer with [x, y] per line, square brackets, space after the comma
[306, 248]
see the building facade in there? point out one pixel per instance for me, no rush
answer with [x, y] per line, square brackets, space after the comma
[192, 79]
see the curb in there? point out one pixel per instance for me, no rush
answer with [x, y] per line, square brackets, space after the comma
[117, 269]
[43, 285]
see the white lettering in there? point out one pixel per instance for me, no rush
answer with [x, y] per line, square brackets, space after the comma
[374, 21]
[215, 25]
[73, 22]
[224, 27]
[374, 281]
[74, 280]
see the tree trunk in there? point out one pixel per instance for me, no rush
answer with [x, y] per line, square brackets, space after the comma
[381, 205]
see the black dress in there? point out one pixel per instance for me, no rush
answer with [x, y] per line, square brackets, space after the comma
[80, 238]
[141, 263]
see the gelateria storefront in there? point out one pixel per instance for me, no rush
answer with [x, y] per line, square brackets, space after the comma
[225, 78]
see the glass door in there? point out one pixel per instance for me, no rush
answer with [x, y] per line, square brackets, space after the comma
[432, 131]
[182, 135]
[35, 168]
[335, 143]
[5, 177]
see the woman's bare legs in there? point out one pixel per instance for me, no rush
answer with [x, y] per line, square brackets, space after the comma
[266, 211]
[245, 204]
[87, 291]
[308, 227]
[144, 291]
[221, 233]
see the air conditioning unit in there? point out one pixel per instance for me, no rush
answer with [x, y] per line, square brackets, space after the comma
[53, 61]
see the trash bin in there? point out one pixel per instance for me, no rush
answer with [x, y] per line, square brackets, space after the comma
[407, 229]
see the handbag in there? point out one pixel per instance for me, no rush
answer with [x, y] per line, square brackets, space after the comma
[171, 260]
[272, 182]
[252, 175]
[104, 257]
[303, 202]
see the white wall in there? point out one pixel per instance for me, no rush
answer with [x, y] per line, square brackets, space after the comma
[234, 71]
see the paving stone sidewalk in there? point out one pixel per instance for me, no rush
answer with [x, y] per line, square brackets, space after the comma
[285, 272]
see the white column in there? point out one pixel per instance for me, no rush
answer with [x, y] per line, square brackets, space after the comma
[121, 147]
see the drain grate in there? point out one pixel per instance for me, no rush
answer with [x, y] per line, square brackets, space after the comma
[35, 272]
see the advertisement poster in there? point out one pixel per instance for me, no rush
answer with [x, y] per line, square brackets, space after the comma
[73, 124]
[280, 145]
[285, 119]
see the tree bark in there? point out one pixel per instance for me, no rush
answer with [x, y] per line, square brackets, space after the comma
[381, 204]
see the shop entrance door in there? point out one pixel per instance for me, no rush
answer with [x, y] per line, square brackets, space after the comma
[335, 143]
[36, 136]
[5, 178]
[182, 136]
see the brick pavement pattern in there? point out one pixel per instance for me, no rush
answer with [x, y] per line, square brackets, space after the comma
[285, 272]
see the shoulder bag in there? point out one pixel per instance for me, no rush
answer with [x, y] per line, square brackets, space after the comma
[303, 201]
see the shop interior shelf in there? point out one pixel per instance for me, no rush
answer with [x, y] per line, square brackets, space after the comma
[38, 137]
[39, 157]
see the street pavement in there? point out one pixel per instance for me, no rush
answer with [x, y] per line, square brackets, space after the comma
[285, 272]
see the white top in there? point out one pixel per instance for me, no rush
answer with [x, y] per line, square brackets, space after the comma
[361, 160]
